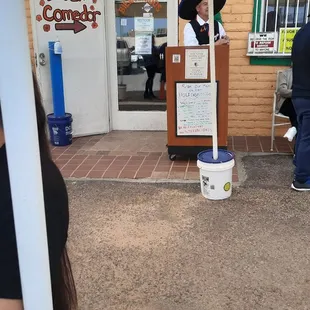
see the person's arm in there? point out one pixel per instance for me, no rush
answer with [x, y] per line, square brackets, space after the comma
[10, 286]
[11, 304]
[224, 39]
[222, 30]
[190, 36]
[283, 89]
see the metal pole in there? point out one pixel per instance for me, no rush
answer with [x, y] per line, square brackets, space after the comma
[276, 23]
[255, 28]
[20, 126]
[57, 81]
[213, 81]
[266, 15]
[307, 11]
[285, 29]
[297, 12]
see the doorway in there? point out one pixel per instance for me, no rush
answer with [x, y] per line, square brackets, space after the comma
[138, 31]
[80, 28]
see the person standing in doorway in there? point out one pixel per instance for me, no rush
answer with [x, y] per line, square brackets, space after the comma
[151, 65]
[196, 32]
[301, 101]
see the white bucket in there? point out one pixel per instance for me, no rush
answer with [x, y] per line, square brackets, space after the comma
[216, 178]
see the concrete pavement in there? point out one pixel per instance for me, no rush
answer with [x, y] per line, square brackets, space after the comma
[164, 247]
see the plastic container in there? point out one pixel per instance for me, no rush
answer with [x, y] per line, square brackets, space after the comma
[60, 129]
[216, 175]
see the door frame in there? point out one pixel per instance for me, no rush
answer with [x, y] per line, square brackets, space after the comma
[35, 39]
[106, 122]
[133, 120]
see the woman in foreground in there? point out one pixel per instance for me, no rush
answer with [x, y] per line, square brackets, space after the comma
[57, 221]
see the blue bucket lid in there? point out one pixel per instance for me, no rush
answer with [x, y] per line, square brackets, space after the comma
[207, 156]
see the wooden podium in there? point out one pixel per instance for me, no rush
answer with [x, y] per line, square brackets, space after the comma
[188, 103]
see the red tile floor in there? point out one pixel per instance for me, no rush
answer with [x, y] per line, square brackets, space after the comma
[141, 155]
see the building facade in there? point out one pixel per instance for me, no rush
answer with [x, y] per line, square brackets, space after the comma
[105, 85]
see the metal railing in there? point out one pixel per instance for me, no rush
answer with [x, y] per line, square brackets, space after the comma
[276, 23]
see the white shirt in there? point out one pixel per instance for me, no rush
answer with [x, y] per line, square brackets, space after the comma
[190, 35]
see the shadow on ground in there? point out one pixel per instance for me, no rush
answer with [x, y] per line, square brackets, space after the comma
[164, 247]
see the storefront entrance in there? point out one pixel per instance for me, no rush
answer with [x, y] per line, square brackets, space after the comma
[107, 55]
[80, 28]
[140, 29]
[141, 39]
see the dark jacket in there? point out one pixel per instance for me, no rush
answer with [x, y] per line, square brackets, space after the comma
[153, 59]
[57, 221]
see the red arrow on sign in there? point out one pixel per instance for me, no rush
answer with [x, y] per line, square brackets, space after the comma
[76, 26]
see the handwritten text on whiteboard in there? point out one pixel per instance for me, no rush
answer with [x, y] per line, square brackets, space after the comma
[194, 109]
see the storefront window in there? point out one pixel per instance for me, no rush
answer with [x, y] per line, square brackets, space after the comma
[275, 23]
[141, 29]
[278, 14]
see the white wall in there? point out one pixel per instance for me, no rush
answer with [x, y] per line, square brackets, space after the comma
[84, 66]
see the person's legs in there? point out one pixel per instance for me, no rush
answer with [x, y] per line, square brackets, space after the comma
[299, 129]
[302, 171]
[148, 94]
[288, 110]
[163, 76]
[152, 74]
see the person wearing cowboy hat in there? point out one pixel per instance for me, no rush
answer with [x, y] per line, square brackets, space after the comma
[196, 32]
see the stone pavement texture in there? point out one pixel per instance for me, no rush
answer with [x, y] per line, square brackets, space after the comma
[142, 155]
[164, 247]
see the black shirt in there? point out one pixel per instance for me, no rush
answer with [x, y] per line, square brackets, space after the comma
[301, 63]
[57, 219]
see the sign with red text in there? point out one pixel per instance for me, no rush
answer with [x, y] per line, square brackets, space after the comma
[148, 5]
[262, 43]
[75, 19]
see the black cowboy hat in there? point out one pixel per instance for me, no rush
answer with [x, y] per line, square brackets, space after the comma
[187, 8]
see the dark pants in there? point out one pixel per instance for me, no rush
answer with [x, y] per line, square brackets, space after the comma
[288, 110]
[302, 108]
[163, 75]
[151, 71]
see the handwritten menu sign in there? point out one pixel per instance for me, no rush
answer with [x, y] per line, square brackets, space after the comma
[194, 109]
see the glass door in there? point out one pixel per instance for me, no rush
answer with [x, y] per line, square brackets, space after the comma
[141, 28]
[138, 32]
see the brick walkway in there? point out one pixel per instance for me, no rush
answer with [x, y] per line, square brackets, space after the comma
[141, 155]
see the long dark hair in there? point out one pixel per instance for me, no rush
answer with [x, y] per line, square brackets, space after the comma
[64, 291]
[41, 118]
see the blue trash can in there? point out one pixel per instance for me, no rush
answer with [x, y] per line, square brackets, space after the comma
[60, 129]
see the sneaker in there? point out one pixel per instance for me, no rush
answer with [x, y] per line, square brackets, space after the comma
[300, 187]
[290, 134]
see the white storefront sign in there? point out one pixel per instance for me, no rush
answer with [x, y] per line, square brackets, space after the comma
[262, 42]
[144, 24]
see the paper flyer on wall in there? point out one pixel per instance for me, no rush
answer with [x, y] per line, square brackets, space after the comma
[143, 43]
[196, 63]
[144, 24]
